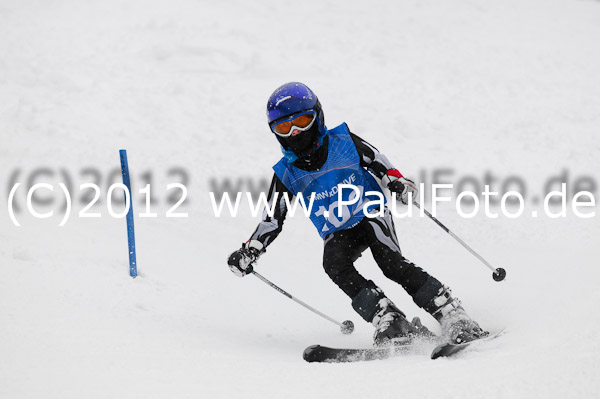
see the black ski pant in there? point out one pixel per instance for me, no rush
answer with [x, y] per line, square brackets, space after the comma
[344, 247]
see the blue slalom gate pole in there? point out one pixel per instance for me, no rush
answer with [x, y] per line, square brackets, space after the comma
[130, 230]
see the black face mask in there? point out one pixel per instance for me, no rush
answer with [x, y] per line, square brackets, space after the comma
[304, 144]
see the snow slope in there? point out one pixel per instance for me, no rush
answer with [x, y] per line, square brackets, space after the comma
[510, 87]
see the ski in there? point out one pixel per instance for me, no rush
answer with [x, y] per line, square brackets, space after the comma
[449, 349]
[325, 354]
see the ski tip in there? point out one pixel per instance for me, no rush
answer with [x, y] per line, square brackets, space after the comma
[436, 353]
[310, 354]
[449, 349]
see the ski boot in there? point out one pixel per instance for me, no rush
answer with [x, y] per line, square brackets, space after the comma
[457, 326]
[437, 300]
[392, 328]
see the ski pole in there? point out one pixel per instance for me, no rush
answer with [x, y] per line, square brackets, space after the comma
[346, 327]
[499, 273]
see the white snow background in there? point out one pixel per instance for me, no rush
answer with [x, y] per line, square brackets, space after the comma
[511, 87]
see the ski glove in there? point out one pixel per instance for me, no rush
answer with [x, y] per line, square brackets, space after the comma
[241, 261]
[400, 185]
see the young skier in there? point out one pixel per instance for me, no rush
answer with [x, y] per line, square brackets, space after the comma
[315, 161]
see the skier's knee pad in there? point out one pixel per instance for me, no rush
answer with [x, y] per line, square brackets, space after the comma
[365, 303]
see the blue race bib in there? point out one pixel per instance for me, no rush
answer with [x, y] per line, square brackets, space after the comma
[342, 167]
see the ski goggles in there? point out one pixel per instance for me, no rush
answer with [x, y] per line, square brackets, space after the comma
[301, 122]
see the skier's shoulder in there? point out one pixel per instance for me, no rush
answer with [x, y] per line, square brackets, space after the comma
[341, 129]
[344, 130]
[280, 166]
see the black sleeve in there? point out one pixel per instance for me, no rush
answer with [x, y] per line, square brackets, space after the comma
[270, 227]
[371, 158]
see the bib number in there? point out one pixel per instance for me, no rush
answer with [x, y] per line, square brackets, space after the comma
[331, 214]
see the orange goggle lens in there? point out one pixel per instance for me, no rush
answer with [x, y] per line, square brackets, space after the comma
[300, 121]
